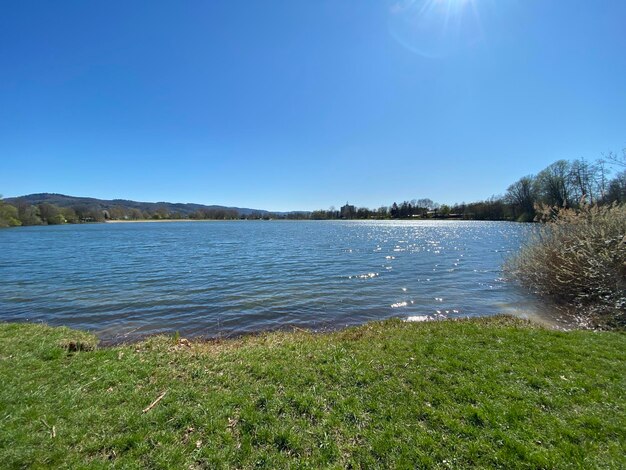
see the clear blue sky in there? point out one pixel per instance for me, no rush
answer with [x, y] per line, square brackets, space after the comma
[287, 105]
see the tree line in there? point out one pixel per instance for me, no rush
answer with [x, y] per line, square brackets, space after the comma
[569, 184]
[563, 183]
[22, 214]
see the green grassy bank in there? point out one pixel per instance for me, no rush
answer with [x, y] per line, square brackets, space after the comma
[495, 392]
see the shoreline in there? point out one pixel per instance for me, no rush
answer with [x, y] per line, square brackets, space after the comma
[295, 220]
[149, 221]
[129, 338]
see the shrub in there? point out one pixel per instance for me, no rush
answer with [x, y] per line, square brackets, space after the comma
[577, 259]
[8, 215]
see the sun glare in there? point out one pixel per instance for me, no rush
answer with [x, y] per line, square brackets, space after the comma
[435, 28]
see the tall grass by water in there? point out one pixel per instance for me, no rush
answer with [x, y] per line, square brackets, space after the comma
[578, 260]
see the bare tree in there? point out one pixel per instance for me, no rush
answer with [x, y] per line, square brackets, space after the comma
[583, 177]
[602, 178]
[616, 191]
[616, 158]
[522, 196]
[427, 203]
[553, 184]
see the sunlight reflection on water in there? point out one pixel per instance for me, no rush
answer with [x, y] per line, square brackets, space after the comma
[224, 278]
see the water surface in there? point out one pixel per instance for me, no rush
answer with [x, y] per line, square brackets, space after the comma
[226, 278]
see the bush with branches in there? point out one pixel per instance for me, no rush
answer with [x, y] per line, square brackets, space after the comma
[577, 258]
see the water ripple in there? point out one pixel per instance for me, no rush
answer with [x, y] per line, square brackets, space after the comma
[224, 278]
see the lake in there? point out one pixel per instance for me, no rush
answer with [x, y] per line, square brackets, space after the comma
[126, 280]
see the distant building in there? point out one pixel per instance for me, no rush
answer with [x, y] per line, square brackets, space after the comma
[347, 211]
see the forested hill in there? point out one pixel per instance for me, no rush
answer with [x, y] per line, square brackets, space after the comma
[184, 210]
[564, 183]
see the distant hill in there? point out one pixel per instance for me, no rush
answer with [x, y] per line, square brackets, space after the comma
[184, 209]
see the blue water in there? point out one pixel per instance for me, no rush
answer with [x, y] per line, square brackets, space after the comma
[225, 278]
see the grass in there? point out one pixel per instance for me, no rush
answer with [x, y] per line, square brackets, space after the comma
[493, 393]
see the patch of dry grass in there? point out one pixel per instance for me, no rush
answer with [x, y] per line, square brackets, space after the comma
[578, 259]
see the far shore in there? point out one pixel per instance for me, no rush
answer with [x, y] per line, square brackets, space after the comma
[117, 221]
[163, 220]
